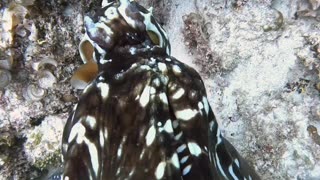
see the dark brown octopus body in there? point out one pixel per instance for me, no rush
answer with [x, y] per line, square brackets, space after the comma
[146, 115]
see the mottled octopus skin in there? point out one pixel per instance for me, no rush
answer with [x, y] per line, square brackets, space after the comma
[145, 116]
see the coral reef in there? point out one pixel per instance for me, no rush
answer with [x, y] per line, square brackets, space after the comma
[45, 140]
[196, 39]
[309, 9]
[38, 55]
[263, 94]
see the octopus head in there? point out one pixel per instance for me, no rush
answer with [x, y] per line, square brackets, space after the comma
[124, 23]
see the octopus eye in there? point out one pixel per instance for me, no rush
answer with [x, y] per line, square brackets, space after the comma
[154, 37]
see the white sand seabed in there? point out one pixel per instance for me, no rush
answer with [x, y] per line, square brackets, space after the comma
[266, 124]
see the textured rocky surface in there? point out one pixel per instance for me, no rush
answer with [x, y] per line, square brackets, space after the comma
[259, 59]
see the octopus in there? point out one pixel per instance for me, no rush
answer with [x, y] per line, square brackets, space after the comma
[145, 115]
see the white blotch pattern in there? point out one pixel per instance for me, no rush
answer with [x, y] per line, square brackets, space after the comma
[231, 172]
[178, 136]
[74, 109]
[103, 26]
[142, 153]
[172, 86]
[186, 170]
[119, 152]
[200, 105]
[168, 59]
[160, 170]
[206, 104]
[93, 155]
[205, 148]
[78, 130]
[175, 160]
[122, 11]
[184, 159]
[133, 50]
[176, 69]
[145, 67]
[211, 125]
[87, 88]
[101, 51]
[111, 13]
[162, 67]
[175, 124]
[178, 94]
[131, 172]
[153, 60]
[181, 148]
[164, 79]
[186, 114]
[163, 98]
[101, 138]
[156, 82]
[236, 161]
[118, 171]
[101, 78]
[194, 148]
[151, 134]
[144, 99]
[104, 61]
[168, 126]
[219, 140]
[105, 133]
[91, 122]
[133, 65]
[104, 89]
[152, 90]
